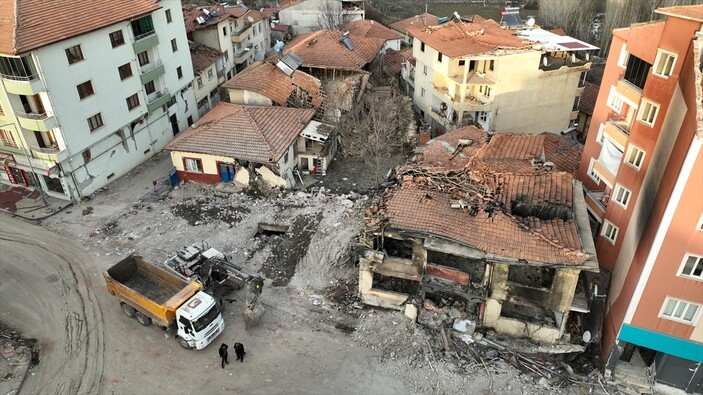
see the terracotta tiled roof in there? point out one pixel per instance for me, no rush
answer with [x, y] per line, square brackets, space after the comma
[440, 152]
[369, 28]
[323, 49]
[190, 13]
[203, 56]
[588, 98]
[692, 12]
[393, 60]
[268, 12]
[558, 31]
[252, 133]
[422, 21]
[456, 39]
[288, 3]
[268, 80]
[31, 24]
[416, 209]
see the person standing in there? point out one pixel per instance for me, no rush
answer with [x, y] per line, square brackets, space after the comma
[223, 354]
[239, 350]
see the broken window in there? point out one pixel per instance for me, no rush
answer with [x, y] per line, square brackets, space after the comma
[637, 71]
[531, 314]
[473, 267]
[395, 284]
[531, 276]
[398, 248]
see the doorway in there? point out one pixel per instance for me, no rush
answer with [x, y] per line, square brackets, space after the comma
[174, 124]
[226, 172]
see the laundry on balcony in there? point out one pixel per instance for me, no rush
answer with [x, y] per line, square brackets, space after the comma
[610, 156]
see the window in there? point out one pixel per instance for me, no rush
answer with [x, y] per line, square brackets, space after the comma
[462, 62]
[679, 310]
[591, 173]
[491, 65]
[193, 165]
[179, 72]
[142, 27]
[224, 30]
[609, 231]
[209, 74]
[483, 116]
[648, 112]
[439, 57]
[422, 92]
[200, 82]
[95, 122]
[624, 55]
[85, 89]
[424, 70]
[143, 58]
[664, 63]
[485, 89]
[125, 71]
[226, 55]
[168, 16]
[600, 137]
[116, 38]
[149, 87]
[22, 67]
[637, 71]
[634, 157]
[692, 266]
[422, 47]
[174, 45]
[7, 139]
[621, 195]
[171, 102]
[74, 54]
[133, 102]
[615, 100]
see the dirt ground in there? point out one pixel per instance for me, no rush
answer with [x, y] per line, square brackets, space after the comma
[316, 336]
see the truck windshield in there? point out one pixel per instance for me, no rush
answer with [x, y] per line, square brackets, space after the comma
[202, 322]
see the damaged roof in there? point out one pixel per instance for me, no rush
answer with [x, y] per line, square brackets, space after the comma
[393, 60]
[458, 38]
[268, 80]
[31, 24]
[588, 98]
[324, 49]
[253, 133]
[490, 196]
[369, 28]
[423, 20]
[215, 14]
[203, 56]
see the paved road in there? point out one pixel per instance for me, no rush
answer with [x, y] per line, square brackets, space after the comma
[46, 294]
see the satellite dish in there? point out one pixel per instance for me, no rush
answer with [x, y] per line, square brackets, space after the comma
[250, 19]
[531, 22]
[586, 336]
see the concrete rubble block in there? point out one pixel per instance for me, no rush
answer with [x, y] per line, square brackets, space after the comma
[411, 311]
[347, 203]
[465, 326]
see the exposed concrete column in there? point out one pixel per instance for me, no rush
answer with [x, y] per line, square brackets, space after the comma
[365, 276]
[563, 288]
[499, 292]
[419, 254]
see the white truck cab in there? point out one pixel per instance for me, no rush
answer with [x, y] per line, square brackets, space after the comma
[199, 321]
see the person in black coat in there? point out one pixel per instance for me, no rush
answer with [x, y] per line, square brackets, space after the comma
[239, 350]
[223, 354]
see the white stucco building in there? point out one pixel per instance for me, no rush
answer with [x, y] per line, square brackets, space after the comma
[310, 15]
[84, 103]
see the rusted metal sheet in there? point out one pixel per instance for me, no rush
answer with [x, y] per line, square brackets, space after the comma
[447, 274]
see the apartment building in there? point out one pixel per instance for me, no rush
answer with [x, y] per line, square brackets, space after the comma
[505, 80]
[209, 74]
[83, 103]
[305, 16]
[642, 168]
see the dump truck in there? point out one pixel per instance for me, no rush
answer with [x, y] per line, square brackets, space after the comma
[214, 271]
[153, 294]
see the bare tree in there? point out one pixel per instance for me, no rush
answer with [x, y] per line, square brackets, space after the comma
[575, 17]
[330, 16]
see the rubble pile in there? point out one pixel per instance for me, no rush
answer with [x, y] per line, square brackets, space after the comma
[17, 354]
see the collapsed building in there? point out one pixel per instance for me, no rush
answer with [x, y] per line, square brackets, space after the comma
[499, 224]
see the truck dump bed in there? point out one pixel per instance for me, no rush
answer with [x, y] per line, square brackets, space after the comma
[149, 288]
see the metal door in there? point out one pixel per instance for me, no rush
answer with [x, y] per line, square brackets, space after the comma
[226, 172]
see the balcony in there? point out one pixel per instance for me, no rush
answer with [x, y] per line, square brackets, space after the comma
[157, 99]
[151, 71]
[628, 90]
[597, 202]
[52, 154]
[239, 30]
[606, 175]
[144, 41]
[28, 86]
[36, 121]
[242, 55]
[618, 129]
[551, 63]
[220, 76]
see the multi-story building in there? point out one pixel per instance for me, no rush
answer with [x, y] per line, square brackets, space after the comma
[83, 103]
[305, 16]
[208, 69]
[642, 167]
[502, 79]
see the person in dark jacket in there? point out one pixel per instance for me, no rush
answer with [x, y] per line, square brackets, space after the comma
[223, 354]
[239, 350]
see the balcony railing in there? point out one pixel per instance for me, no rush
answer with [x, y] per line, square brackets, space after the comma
[622, 124]
[19, 77]
[144, 35]
[33, 116]
[153, 65]
[46, 150]
[152, 97]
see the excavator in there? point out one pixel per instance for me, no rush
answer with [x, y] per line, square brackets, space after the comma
[219, 276]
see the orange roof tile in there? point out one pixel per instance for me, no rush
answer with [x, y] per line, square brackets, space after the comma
[268, 80]
[442, 151]
[692, 12]
[203, 56]
[369, 28]
[253, 133]
[560, 31]
[323, 49]
[31, 24]
[393, 60]
[422, 21]
[588, 98]
[456, 39]
[216, 15]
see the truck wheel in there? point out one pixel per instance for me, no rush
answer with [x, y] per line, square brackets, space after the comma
[184, 343]
[128, 310]
[142, 319]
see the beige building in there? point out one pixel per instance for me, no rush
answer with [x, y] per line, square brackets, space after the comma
[504, 80]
